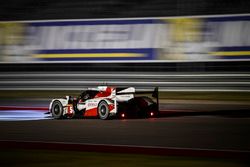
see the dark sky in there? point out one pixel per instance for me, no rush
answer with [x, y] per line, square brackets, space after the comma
[80, 9]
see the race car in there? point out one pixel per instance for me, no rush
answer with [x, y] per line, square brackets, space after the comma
[106, 102]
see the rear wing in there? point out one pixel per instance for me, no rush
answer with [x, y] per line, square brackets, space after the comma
[154, 93]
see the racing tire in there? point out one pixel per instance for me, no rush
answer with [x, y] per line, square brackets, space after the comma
[57, 109]
[103, 110]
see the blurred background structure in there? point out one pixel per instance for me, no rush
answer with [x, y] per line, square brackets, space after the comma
[175, 44]
[206, 30]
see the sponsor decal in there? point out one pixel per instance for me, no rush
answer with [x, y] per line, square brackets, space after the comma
[92, 104]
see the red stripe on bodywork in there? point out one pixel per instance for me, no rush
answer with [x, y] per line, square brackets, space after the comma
[91, 112]
[111, 107]
[104, 93]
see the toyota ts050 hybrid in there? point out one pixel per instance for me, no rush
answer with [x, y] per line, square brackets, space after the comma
[106, 102]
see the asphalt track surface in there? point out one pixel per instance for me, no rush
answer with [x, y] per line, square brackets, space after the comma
[199, 132]
[184, 125]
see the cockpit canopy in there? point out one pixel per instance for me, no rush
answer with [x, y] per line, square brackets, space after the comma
[88, 94]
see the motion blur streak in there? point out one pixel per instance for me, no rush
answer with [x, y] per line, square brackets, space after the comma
[21, 115]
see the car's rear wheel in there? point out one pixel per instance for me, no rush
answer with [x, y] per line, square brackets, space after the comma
[57, 109]
[103, 110]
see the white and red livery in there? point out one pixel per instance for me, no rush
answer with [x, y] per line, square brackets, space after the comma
[105, 102]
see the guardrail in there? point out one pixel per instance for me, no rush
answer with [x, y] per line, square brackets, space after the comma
[167, 76]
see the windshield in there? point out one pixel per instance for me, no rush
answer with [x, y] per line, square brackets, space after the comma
[88, 94]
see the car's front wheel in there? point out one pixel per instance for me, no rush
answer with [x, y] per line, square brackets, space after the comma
[103, 110]
[57, 109]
